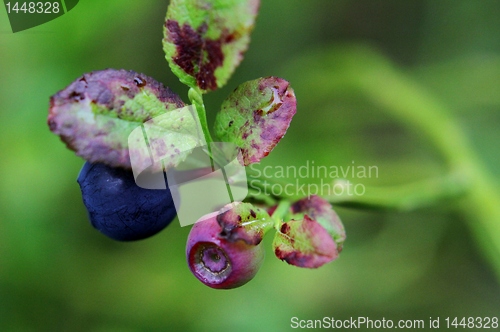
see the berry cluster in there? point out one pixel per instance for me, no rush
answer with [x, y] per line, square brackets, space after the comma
[224, 249]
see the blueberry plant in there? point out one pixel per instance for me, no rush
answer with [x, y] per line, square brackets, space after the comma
[204, 41]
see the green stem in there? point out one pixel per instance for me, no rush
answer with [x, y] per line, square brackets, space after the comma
[282, 210]
[419, 111]
[196, 99]
[405, 197]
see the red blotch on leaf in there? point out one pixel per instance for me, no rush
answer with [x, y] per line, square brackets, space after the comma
[305, 243]
[196, 55]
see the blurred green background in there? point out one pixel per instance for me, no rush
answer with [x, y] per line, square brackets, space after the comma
[59, 274]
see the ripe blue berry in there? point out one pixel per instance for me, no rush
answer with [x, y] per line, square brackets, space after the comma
[120, 209]
[217, 262]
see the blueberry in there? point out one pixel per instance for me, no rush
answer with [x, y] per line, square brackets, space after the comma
[218, 262]
[120, 209]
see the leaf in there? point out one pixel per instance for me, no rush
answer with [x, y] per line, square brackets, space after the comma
[256, 116]
[96, 114]
[304, 243]
[204, 40]
[321, 210]
[244, 222]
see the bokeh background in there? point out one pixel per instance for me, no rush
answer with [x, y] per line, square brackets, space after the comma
[59, 274]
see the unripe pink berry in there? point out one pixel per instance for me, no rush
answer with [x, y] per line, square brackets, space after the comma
[218, 262]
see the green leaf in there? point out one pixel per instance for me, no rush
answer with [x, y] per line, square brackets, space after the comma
[204, 40]
[321, 210]
[256, 116]
[244, 222]
[304, 243]
[96, 114]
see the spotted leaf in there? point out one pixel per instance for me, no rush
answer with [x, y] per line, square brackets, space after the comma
[204, 40]
[256, 116]
[96, 115]
[304, 243]
[321, 210]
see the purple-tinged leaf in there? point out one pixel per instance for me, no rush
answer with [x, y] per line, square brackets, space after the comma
[244, 222]
[95, 115]
[321, 210]
[204, 40]
[256, 116]
[304, 243]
